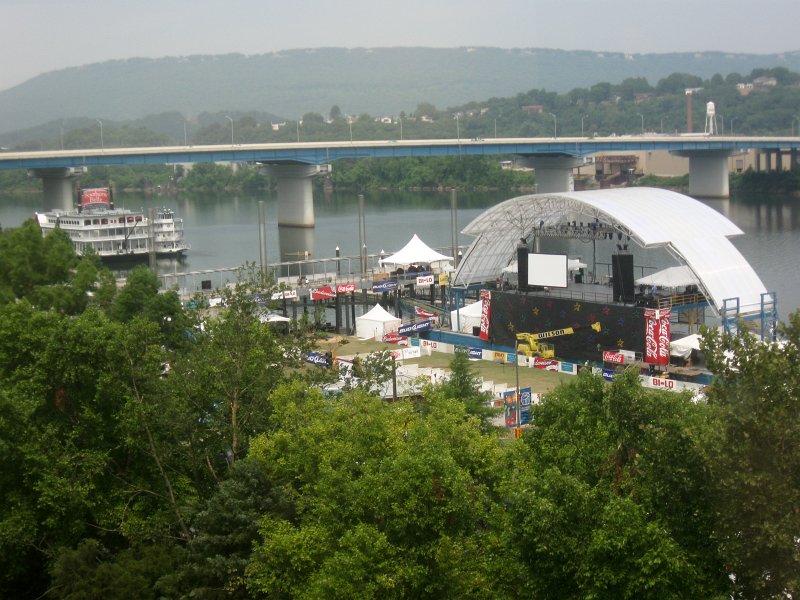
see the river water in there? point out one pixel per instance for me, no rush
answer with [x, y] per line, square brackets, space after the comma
[223, 230]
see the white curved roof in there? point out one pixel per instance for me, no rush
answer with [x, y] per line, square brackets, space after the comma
[693, 233]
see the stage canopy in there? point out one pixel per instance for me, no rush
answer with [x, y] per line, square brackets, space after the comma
[693, 233]
[414, 252]
[671, 277]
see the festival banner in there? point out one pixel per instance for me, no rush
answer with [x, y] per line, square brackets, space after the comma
[317, 358]
[656, 336]
[387, 285]
[510, 408]
[394, 338]
[486, 302]
[613, 357]
[444, 279]
[548, 364]
[285, 295]
[415, 327]
[345, 288]
[425, 280]
[424, 314]
[476, 353]
[525, 397]
[323, 293]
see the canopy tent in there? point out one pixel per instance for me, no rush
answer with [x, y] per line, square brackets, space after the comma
[671, 277]
[414, 252]
[466, 317]
[683, 347]
[269, 317]
[376, 323]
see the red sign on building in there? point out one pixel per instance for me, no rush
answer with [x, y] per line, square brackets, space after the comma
[345, 288]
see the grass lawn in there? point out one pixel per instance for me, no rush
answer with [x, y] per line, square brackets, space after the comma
[538, 380]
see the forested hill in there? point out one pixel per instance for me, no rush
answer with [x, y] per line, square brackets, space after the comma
[376, 81]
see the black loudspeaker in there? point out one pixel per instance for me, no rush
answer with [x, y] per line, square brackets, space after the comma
[622, 277]
[476, 330]
[522, 268]
[205, 284]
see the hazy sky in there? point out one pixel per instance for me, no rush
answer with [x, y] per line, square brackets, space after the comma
[37, 36]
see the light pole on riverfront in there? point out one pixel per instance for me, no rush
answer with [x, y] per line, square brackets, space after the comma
[231, 120]
[641, 116]
[795, 118]
[458, 130]
[582, 118]
[102, 144]
[732, 119]
[555, 125]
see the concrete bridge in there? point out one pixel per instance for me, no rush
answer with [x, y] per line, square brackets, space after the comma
[293, 164]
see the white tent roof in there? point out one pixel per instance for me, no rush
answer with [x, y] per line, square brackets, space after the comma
[415, 251]
[696, 234]
[378, 313]
[684, 346]
[671, 277]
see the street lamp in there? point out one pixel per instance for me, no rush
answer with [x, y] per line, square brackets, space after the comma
[102, 144]
[349, 122]
[231, 120]
[61, 129]
[185, 137]
[401, 127]
[641, 116]
[555, 125]
[795, 118]
[582, 118]
[458, 130]
[732, 119]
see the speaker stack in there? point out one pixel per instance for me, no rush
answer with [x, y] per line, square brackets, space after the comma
[622, 277]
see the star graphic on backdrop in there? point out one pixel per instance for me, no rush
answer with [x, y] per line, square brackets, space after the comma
[621, 322]
[577, 307]
[590, 319]
[620, 343]
[510, 327]
[535, 311]
[549, 304]
[606, 310]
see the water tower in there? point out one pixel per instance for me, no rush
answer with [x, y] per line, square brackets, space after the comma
[711, 119]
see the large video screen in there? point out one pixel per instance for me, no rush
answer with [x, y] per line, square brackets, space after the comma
[548, 270]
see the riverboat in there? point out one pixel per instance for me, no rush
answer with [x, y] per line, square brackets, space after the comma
[116, 233]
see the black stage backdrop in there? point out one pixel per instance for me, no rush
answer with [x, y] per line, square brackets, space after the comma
[621, 327]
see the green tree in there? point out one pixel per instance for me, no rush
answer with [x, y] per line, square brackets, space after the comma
[756, 460]
[611, 497]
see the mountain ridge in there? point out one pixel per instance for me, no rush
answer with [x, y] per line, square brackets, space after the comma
[377, 81]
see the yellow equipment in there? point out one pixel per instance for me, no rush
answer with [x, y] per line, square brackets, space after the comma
[532, 346]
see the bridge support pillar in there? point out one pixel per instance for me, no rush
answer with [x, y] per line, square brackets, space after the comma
[553, 173]
[58, 184]
[708, 172]
[295, 197]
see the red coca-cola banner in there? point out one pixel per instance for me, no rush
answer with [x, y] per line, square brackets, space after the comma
[656, 336]
[613, 357]
[323, 293]
[486, 304]
[345, 288]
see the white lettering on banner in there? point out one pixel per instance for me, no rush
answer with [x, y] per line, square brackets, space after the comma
[345, 288]
[486, 300]
[663, 338]
[650, 336]
[425, 280]
[613, 357]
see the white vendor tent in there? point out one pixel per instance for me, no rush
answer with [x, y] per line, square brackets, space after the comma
[684, 346]
[466, 317]
[376, 323]
[671, 277]
[414, 252]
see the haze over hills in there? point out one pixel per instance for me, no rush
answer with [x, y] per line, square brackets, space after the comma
[379, 81]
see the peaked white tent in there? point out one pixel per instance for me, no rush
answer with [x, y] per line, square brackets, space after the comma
[671, 277]
[466, 317]
[415, 251]
[376, 323]
[684, 346]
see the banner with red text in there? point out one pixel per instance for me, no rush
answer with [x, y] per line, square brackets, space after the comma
[323, 293]
[486, 302]
[656, 336]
